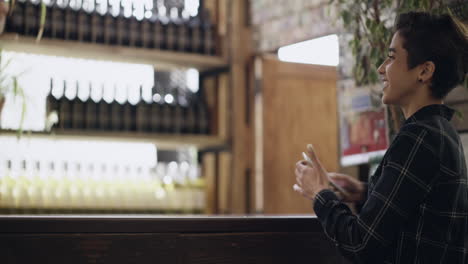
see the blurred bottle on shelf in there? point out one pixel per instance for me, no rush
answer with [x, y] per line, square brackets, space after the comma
[65, 106]
[97, 22]
[104, 111]
[49, 5]
[155, 117]
[134, 25]
[145, 25]
[202, 114]
[142, 112]
[116, 112]
[63, 187]
[78, 108]
[71, 20]
[31, 17]
[127, 113]
[172, 28]
[158, 22]
[208, 33]
[57, 18]
[183, 37]
[52, 100]
[110, 21]
[15, 22]
[84, 25]
[195, 35]
[177, 111]
[122, 29]
[91, 110]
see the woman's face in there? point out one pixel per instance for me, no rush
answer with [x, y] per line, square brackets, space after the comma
[399, 81]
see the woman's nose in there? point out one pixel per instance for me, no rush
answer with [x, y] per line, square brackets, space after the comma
[381, 68]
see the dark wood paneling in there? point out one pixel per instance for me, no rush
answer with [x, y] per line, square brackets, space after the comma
[153, 239]
[88, 248]
[258, 248]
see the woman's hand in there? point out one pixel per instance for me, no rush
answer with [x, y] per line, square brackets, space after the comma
[310, 178]
[355, 189]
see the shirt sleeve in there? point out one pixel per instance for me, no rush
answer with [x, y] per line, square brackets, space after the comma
[408, 173]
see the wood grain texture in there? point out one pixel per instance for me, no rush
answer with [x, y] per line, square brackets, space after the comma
[299, 107]
[258, 248]
[154, 239]
[158, 58]
[209, 173]
[240, 42]
[88, 248]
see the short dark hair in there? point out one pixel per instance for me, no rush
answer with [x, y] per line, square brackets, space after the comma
[440, 39]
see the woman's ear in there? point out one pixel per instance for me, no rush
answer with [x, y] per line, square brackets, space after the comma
[427, 71]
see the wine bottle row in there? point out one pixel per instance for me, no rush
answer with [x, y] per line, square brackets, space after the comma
[69, 187]
[114, 23]
[179, 115]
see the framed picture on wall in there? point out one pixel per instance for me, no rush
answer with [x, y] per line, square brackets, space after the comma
[363, 124]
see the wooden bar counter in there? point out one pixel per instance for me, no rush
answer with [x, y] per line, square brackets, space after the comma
[163, 239]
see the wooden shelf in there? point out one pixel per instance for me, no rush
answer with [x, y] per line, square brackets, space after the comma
[162, 141]
[74, 49]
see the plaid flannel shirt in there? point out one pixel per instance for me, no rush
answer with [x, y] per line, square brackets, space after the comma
[416, 209]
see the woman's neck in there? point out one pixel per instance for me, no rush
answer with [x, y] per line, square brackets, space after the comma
[415, 105]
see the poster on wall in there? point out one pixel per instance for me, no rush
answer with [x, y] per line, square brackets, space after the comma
[363, 124]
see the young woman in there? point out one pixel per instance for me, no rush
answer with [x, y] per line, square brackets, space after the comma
[415, 206]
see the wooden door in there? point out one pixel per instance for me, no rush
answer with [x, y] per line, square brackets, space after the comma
[299, 107]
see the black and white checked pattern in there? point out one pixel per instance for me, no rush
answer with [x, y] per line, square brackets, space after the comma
[416, 209]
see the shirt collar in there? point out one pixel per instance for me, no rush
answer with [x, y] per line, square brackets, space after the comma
[428, 111]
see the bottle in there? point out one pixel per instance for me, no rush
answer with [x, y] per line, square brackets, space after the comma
[155, 111]
[49, 5]
[110, 22]
[78, 109]
[74, 188]
[177, 112]
[65, 107]
[84, 22]
[31, 17]
[19, 187]
[172, 29]
[91, 110]
[183, 43]
[15, 21]
[97, 23]
[57, 17]
[162, 82]
[52, 102]
[145, 26]
[104, 111]
[34, 187]
[195, 35]
[71, 15]
[122, 30]
[158, 22]
[127, 113]
[62, 193]
[189, 125]
[208, 33]
[183, 105]
[142, 113]
[8, 183]
[134, 39]
[116, 112]
[202, 115]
